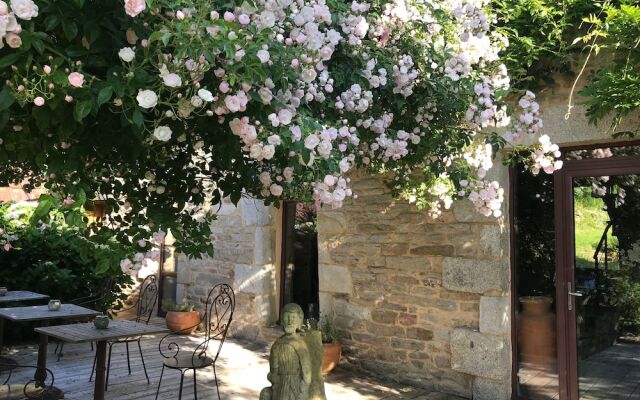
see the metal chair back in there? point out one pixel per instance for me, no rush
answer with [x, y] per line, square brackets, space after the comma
[219, 309]
[147, 299]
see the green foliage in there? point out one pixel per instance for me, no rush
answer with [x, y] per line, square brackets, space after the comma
[328, 330]
[170, 305]
[615, 88]
[541, 35]
[59, 260]
[547, 36]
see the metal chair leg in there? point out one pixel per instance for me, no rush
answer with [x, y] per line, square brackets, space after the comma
[181, 384]
[160, 382]
[128, 358]
[143, 364]
[59, 350]
[195, 385]
[93, 369]
[215, 376]
[106, 383]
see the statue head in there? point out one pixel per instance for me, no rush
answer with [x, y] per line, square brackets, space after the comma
[292, 318]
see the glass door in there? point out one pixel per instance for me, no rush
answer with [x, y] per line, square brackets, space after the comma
[598, 201]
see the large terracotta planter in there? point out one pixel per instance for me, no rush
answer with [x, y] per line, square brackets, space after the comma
[330, 356]
[537, 332]
[182, 322]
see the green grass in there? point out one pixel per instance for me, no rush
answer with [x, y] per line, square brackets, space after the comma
[590, 222]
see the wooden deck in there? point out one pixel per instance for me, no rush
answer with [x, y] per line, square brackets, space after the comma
[242, 371]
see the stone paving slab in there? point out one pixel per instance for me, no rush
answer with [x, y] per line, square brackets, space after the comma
[242, 372]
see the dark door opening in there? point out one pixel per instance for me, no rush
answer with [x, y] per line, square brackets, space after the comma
[168, 278]
[299, 270]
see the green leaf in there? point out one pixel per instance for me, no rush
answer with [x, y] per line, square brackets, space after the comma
[70, 30]
[104, 95]
[9, 59]
[103, 266]
[38, 45]
[78, 3]
[138, 118]
[6, 98]
[51, 22]
[82, 109]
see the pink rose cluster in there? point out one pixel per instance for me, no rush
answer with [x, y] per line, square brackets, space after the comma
[333, 190]
[6, 239]
[10, 29]
[134, 7]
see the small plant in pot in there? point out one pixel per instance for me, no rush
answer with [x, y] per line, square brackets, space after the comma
[332, 348]
[181, 318]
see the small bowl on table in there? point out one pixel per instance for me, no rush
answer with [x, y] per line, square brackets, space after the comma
[101, 322]
[54, 305]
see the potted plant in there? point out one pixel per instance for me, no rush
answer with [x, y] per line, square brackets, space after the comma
[332, 348]
[181, 318]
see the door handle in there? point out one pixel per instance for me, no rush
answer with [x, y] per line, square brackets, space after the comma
[571, 295]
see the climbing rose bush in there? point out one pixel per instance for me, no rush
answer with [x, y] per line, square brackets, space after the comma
[164, 107]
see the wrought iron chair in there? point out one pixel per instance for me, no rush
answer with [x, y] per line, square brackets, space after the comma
[144, 306]
[36, 392]
[90, 301]
[219, 308]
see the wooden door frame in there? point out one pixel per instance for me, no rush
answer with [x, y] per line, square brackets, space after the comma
[565, 268]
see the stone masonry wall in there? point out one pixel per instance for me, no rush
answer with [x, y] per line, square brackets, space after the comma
[428, 302]
[419, 300]
[244, 256]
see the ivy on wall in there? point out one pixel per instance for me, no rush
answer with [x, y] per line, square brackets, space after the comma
[546, 36]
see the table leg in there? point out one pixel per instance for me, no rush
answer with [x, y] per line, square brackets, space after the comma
[101, 369]
[1, 335]
[41, 373]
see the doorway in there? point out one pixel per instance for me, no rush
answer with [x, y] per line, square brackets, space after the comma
[579, 319]
[299, 270]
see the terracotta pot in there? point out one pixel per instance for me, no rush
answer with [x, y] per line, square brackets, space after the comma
[537, 332]
[330, 356]
[182, 322]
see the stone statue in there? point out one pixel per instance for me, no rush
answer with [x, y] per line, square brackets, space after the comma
[295, 361]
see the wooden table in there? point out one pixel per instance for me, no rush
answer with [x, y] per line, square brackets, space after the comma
[22, 295]
[44, 316]
[87, 332]
[13, 297]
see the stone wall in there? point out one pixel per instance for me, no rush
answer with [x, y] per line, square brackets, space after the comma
[419, 300]
[244, 256]
[428, 302]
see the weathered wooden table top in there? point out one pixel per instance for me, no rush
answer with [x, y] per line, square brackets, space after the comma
[22, 295]
[40, 313]
[87, 332]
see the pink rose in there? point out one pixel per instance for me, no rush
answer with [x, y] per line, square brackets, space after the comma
[38, 101]
[229, 17]
[7, 246]
[68, 99]
[24, 9]
[76, 79]
[13, 40]
[47, 69]
[244, 19]
[134, 7]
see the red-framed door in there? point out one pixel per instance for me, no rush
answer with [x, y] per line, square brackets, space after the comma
[568, 296]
